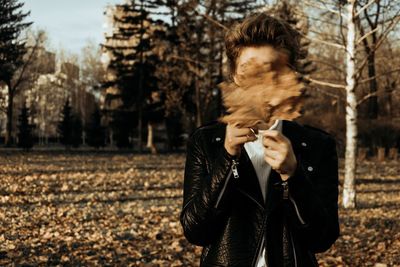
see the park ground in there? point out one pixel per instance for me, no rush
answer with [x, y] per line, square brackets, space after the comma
[110, 209]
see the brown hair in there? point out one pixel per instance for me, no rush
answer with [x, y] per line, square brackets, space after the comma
[260, 29]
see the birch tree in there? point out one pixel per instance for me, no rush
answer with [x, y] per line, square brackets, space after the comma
[348, 40]
[351, 109]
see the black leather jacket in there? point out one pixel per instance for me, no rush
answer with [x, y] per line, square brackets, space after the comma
[224, 211]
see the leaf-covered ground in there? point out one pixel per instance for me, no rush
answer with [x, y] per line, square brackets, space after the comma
[105, 209]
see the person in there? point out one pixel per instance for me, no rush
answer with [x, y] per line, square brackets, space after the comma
[266, 197]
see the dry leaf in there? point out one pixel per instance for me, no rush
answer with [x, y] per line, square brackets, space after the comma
[108, 217]
[262, 95]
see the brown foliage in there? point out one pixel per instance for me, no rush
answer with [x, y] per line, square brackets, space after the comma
[261, 95]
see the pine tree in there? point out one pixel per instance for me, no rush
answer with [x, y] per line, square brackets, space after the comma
[95, 131]
[25, 135]
[12, 50]
[76, 134]
[132, 59]
[65, 125]
[121, 129]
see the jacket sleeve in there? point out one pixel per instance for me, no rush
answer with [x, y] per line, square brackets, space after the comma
[204, 197]
[312, 203]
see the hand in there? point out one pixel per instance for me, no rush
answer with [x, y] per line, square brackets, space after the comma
[235, 137]
[278, 153]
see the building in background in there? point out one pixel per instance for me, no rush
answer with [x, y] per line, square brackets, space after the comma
[45, 97]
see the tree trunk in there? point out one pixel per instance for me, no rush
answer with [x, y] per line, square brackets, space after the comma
[362, 153]
[349, 193]
[150, 141]
[140, 126]
[373, 87]
[393, 153]
[380, 156]
[141, 93]
[10, 106]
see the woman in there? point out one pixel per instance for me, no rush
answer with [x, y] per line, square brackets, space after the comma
[260, 198]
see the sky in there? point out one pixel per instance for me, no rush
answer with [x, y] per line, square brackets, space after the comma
[70, 24]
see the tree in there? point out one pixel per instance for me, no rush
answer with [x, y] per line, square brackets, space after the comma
[372, 18]
[93, 71]
[25, 135]
[132, 60]
[65, 125]
[201, 27]
[347, 40]
[121, 129]
[76, 133]
[95, 131]
[13, 49]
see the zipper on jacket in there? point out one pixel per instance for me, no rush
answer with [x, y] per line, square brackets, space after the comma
[286, 195]
[297, 210]
[285, 190]
[232, 169]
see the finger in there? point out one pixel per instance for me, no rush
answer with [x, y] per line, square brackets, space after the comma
[281, 148]
[274, 134]
[273, 154]
[242, 131]
[275, 164]
[243, 139]
[233, 133]
[271, 144]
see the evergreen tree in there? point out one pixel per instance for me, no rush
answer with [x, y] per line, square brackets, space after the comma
[12, 50]
[122, 130]
[132, 59]
[65, 125]
[76, 134]
[25, 135]
[95, 131]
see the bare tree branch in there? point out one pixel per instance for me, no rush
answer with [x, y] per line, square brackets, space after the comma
[364, 7]
[206, 16]
[366, 97]
[333, 66]
[323, 42]
[324, 7]
[333, 85]
[324, 92]
[380, 75]
[26, 64]
[379, 43]
[317, 19]
[341, 28]
[366, 36]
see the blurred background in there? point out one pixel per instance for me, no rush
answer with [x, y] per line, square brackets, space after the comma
[98, 98]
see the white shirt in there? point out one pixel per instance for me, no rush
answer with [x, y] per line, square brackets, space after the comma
[255, 150]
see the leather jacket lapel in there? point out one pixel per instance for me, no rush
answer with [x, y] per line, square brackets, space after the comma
[248, 182]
